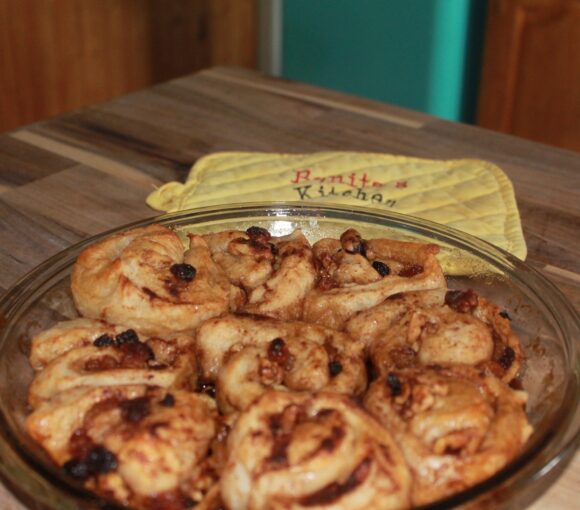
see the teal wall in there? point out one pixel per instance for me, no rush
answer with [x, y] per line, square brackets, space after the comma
[421, 54]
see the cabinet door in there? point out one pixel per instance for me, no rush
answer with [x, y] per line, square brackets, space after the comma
[530, 83]
[60, 55]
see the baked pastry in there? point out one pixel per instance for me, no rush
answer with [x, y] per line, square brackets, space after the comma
[370, 325]
[275, 272]
[144, 280]
[356, 274]
[71, 334]
[234, 375]
[138, 445]
[67, 335]
[247, 355]
[297, 450]
[124, 360]
[456, 425]
[414, 330]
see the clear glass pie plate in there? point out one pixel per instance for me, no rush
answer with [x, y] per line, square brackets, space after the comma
[546, 322]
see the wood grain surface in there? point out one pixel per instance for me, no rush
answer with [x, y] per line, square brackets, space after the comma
[90, 170]
[59, 56]
[531, 70]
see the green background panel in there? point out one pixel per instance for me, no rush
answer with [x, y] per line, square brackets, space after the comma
[422, 54]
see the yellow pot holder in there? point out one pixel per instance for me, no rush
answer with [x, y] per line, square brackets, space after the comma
[470, 195]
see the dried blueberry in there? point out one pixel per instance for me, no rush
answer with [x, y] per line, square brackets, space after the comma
[168, 400]
[381, 268]
[185, 272]
[129, 336]
[103, 341]
[335, 368]
[394, 384]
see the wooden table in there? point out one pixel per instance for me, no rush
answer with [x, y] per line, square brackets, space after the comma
[90, 170]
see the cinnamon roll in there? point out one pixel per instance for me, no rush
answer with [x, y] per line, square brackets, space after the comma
[143, 279]
[356, 274]
[67, 335]
[370, 325]
[275, 272]
[137, 445]
[74, 333]
[456, 425]
[295, 450]
[248, 355]
[123, 361]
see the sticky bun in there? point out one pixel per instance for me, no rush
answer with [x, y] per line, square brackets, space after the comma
[247, 355]
[456, 425]
[238, 370]
[297, 450]
[145, 280]
[358, 274]
[275, 272]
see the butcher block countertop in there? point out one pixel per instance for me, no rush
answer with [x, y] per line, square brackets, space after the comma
[90, 170]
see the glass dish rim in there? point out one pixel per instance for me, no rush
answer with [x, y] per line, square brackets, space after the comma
[563, 311]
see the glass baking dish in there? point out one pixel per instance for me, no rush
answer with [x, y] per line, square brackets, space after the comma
[546, 322]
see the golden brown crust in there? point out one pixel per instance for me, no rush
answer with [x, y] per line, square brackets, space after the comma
[128, 279]
[135, 444]
[109, 366]
[370, 325]
[456, 426]
[295, 450]
[248, 355]
[116, 407]
[282, 295]
[349, 285]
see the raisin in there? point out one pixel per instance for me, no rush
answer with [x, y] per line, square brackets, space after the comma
[100, 460]
[277, 345]
[381, 268]
[335, 368]
[185, 272]
[507, 358]
[505, 315]
[103, 341]
[168, 400]
[129, 336]
[394, 384]
[254, 232]
[278, 352]
[76, 469]
[352, 242]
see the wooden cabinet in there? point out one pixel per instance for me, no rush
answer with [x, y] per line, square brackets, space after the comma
[59, 55]
[530, 83]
